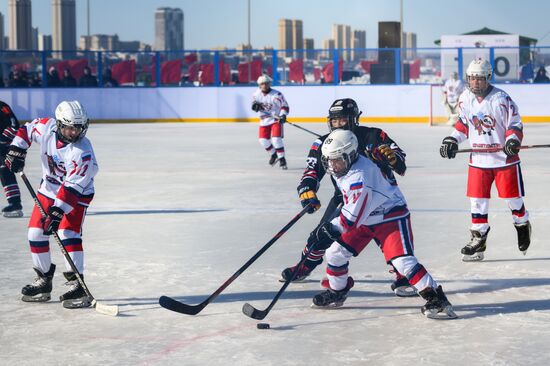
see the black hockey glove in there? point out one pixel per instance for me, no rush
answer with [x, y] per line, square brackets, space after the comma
[307, 196]
[511, 148]
[15, 159]
[51, 223]
[256, 107]
[282, 118]
[448, 148]
[323, 236]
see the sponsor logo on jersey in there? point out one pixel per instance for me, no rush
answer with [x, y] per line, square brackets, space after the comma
[484, 124]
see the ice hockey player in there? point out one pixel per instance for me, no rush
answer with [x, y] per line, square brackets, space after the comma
[374, 143]
[8, 128]
[452, 89]
[68, 169]
[374, 209]
[489, 118]
[273, 109]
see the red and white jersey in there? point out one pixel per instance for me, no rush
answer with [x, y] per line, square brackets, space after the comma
[452, 89]
[369, 197]
[488, 124]
[273, 105]
[68, 170]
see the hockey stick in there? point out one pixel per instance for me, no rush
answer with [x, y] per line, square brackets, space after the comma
[99, 307]
[496, 149]
[179, 307]
[254, 313]
[303, 129]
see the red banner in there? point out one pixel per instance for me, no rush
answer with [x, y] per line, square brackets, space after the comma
[170, 72]
[316, 73]
[124, 72]
[296, 71]
[255, 71]
[414, 69]
[328, 71]
[75, 67]
[190, 58]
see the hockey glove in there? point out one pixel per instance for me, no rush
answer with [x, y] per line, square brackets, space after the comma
[307, 196]
[256, 107]
[384, 154]
[448, 148]
[324, 235]
[15, 159]
[511, 148]
[51, 223]
[282, 118]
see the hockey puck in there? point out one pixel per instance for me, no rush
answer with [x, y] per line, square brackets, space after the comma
[262, 326]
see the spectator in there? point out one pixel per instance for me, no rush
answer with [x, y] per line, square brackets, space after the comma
[527, 72]
[108, 80]
[87, 80]
[53, 78]
[35, 81]
[17, 80]
[68, 79]
[541, 76]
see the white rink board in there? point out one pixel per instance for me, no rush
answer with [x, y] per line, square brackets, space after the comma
[393, 101]
[146, 236]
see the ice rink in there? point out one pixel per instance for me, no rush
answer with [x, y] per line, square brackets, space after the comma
[180, 207]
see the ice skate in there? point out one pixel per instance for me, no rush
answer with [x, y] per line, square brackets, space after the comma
[402, 288]
[282, 163]
[303, 273]
[524, 236]
[332, 298]
[40, 289]
[13, 210]
[75, 297]
[437, 306]
[273, 159]
[473, 251]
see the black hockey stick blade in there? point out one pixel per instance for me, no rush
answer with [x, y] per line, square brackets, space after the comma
[179, 307]
[254, 313]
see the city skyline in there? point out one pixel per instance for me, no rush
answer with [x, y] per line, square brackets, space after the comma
[227, 26]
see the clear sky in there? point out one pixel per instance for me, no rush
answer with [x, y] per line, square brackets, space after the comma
[210, 23]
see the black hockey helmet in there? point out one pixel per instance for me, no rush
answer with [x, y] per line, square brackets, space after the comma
[344, 108]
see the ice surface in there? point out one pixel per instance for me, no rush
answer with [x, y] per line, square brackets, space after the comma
[180, 207]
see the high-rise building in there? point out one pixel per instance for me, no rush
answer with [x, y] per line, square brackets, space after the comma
[359, 43]
[285, 35]
[309, 47]
[64, 25]
[100, 42]
[341, 34]
[20, 19]
[328, 44]
[409, 42]
[298, 37]
[34, 38]
[2, 45]
[44, 42]
[169, 29]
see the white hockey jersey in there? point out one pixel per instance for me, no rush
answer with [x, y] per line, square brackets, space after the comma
[488, 124]
[68, 170]
[369, 197]
[452, 89]
[273, 105]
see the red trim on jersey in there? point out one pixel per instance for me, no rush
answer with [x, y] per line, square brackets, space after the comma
[22, 132]
[67, 196]
[44, 120]
[514, 131]
[461, 127]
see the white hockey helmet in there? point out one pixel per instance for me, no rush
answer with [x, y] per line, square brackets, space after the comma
[73, 114]
[339, 152]
[481, 68]
[264, 79]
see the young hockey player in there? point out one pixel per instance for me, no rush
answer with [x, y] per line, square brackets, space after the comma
[452, 89]
[8, 128]
[374, 209]
[489, 118]
[67, 188]
[374, 143]
[273, 109]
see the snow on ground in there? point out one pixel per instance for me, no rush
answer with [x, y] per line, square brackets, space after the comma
[180, 207]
